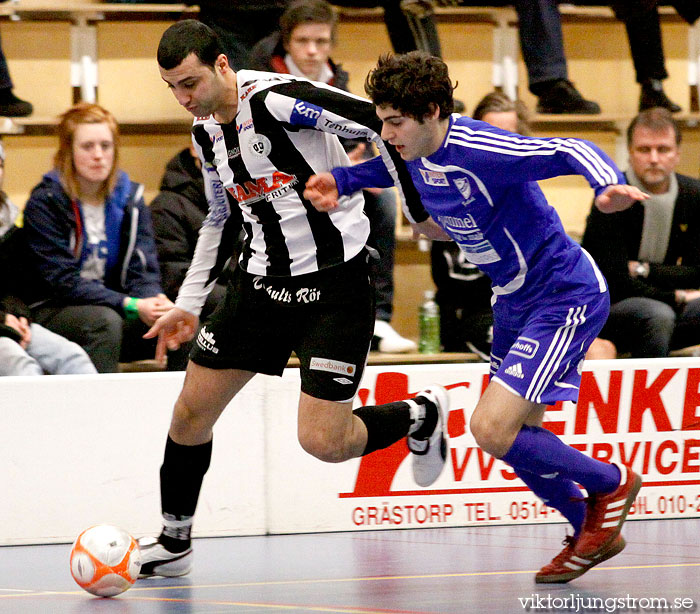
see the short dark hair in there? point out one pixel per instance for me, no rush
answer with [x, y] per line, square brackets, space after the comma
[186, 37]
[657, 119]
[301, 12]
[413, 83]
[498, 102]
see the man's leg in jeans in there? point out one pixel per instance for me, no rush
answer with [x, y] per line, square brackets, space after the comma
[641, 326]
[687, 331]
[542, 46]
[95, 328]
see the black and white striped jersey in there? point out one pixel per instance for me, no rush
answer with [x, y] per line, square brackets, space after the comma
[286, 129]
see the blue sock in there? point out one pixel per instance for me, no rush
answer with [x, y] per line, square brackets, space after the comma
[561, 494]
[541, 452]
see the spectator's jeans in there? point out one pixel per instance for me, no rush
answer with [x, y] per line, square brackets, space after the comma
[47, 353]
[647, 328]
[541, 41]
[106, 336]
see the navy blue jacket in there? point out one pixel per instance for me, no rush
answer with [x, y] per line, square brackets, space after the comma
[51, 224]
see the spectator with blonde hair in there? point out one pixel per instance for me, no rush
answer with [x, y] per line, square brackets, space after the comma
[91, 238]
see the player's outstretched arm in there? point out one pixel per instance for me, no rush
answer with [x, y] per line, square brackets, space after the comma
[619, 197]
[173, 329]
[322, 191]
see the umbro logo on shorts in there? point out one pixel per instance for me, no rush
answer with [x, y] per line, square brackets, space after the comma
[515, 370]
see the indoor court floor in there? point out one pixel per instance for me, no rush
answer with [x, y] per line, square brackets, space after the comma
[437, 571]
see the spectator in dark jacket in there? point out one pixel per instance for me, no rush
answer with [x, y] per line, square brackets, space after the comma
[91, 239]
[178, 212]
[650, 253]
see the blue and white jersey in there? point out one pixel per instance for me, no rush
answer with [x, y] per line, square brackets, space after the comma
[480, 186]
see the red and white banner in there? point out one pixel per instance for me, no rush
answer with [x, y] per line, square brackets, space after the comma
[642, 413]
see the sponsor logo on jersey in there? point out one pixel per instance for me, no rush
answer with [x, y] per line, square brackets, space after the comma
[218, 206]
[260, 146]
[525, 347]
[435, 178]
[247, 124]
[247, 92]
[339, 128]
[206, 340]
[332, 366]
[305, 114]
[234, 152]
[217, 137]
[263, 188]
[209, 167]
[515, 370]
[467, 222]
[342, 380]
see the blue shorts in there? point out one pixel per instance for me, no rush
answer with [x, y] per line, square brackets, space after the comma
[542, 360]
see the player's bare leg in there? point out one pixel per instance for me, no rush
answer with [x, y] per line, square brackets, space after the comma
[204, 396]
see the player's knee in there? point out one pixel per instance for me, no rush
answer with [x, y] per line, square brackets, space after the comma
[188, 423]
[488, 434]
[320, 445]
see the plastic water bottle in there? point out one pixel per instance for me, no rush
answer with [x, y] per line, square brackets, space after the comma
[429, 325]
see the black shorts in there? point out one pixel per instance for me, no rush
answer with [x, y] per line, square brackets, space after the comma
[326, 318]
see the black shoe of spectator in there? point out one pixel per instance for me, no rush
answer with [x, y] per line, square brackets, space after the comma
[563, 97]
[11, 106]
[653, 96]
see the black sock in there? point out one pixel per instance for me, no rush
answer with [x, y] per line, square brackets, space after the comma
[386, 424]
[181, 478]
[430, 420]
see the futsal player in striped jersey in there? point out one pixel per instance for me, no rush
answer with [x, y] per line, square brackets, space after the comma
[301, 285]
[478, 183]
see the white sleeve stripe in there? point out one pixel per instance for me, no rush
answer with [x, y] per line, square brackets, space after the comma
[605, 169]
[528, 144]
[549, 151]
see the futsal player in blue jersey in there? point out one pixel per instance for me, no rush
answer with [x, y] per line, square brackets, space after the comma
[550, 300]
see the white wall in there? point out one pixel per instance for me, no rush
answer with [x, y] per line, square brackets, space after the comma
[79, 451]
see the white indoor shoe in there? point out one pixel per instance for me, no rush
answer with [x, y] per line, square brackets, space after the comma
[157, 561]
[390, 341]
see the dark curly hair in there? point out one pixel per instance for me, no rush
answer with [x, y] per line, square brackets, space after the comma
[412, 83]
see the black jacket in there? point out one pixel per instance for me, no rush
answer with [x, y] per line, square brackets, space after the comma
[18, 279]
[178, 212]
[614, 238]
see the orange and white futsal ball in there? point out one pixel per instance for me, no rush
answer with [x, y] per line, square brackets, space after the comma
[105, 560]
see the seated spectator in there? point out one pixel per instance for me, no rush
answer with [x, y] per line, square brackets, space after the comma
[26, 348]
[646, 45]
[302, 48]
[463, 292]
[178, 212]
[650, 253]
[91, 238]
